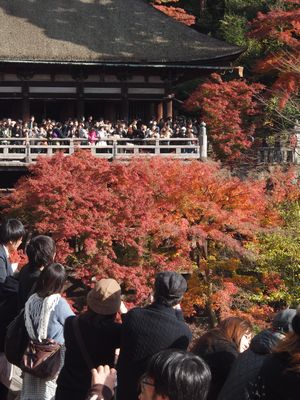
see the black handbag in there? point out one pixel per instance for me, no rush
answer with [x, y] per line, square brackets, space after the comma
[16, 340]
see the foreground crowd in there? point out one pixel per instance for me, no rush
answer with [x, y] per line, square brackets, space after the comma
[96, 131]
[92, 356]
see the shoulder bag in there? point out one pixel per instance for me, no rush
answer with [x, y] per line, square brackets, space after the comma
[42, 359]
[16, 340]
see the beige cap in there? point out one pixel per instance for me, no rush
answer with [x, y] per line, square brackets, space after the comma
[105, 297]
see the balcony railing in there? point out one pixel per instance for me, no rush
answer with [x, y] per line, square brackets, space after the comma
[27, 151]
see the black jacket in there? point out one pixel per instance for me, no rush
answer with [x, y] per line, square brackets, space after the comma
[220, 354]
[145, 332]
[9, 286]
[274, 381]
[101, 336]
[246, 367]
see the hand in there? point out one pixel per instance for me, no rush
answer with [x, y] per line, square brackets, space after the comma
[104, 375]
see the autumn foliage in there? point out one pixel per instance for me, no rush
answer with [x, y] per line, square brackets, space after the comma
[129, 221]
[177, 13]
[228, 109]
[279, 31]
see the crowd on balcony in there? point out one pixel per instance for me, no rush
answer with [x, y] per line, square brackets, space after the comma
[95, 131]
[60, 355]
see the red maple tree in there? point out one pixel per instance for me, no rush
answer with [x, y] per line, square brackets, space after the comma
[128, 221]
[279, 32]
[228, 109]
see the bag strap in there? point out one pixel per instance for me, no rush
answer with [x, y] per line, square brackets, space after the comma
[82, 346]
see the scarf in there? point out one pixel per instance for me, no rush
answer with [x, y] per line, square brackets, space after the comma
[38, 310]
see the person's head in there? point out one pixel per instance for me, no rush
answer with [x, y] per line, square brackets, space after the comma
[291, 344]
[175, 375]
[237, 330]
[105, 297]
[41, 251]
[51, 280]
[169, 288]
[11, 233]
[282, 322]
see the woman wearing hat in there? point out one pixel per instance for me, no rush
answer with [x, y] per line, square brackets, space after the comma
[279, 377]
[94, 344]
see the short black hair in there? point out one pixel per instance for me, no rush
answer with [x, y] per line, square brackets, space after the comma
[51, 280]
[180, 375]
[41, 251]
[11, 230]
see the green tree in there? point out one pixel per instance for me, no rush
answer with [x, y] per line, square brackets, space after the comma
[279, 253]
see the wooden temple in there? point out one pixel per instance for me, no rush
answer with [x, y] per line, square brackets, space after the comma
[118, 59]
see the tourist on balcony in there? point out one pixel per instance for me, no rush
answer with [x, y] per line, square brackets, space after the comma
[92, 135]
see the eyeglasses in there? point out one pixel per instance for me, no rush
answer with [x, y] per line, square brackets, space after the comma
[145, 383]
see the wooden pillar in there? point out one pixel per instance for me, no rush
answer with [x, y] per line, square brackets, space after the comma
[109, 111]
[67, 110]
[125, 108]
[170, 108]
[124, 101]
[151, 111]
[80, 108]
[80, 101]
[160, 111]
[25, 102]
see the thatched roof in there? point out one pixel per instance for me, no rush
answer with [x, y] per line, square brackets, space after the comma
[100, 31]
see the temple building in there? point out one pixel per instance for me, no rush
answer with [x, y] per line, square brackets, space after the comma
[118, 59]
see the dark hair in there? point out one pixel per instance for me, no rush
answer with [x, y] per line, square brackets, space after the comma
[40, 251]
[179, 375]
[51, 280]
[11, 230]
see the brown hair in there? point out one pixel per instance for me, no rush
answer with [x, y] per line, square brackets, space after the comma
[291, 345]
[232, 329]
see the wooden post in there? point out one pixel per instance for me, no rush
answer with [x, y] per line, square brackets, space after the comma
[80, 101]
[125, 108]
[151, 111]
[160, 110]
[170, 108]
